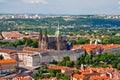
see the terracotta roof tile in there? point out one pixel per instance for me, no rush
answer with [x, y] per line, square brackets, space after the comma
[7, 61]
[9, 51]
[3, 78]
[55, 67]
[99, 78]
[96, 46]
[14, 34]
[29, 49]
[78, 76]
[21, 78]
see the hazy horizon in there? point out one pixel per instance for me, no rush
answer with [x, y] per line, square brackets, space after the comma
[62, 7]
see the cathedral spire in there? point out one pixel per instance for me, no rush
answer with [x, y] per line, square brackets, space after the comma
[40, 35]
[45, 40]
[58, 37]
[40, 39]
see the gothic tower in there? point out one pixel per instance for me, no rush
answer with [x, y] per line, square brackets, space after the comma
[40, 39]
[58, 39]
[45, 42]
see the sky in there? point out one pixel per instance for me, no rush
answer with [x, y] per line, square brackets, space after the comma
[76, 7]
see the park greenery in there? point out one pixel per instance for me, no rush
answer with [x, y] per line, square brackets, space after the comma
[79, 41]
[101, 60]
[111, 40]
[44, 72]
[19, 43]
[106, 40]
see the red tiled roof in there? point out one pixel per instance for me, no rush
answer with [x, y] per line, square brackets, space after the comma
[7, 61]
[3, 78]
[55, 67]
[78, 76]
[91, 70]
[89, 47]
[76, 47]
[14, 34]
[21, 78]
[110, 46]
[7, 51]
[73, 69]
[29, 49]
[99, 78]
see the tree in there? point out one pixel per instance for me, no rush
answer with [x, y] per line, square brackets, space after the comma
[52, 72]
[27, 42]
[77, 72]
[118, 66]
[54, 62]
[66, 58]
[77, 64]
[59, 75]
[87, 58]
[68, 64]
[65, 62]
[18, 42]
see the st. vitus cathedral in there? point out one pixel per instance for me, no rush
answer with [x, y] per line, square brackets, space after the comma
[56, 42]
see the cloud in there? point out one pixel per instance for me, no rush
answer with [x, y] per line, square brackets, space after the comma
[119, 2]
[2, 0]
[35, 1]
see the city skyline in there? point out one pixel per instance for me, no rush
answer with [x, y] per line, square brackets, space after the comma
[76, 7]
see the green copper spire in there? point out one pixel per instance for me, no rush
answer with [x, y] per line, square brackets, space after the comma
[58, 30]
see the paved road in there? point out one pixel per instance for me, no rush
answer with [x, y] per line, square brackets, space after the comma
[22, 72]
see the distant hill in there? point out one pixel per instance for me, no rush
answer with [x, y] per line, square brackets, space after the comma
[77, 22]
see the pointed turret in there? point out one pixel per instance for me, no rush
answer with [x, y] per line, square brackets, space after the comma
[58, 37]
[40, 35]
[40, 39]
[45, 40]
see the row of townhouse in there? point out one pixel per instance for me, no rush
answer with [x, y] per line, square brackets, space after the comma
[98, 48]
[88, 73]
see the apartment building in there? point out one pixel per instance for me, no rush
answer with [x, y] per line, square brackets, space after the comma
[8, 65]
